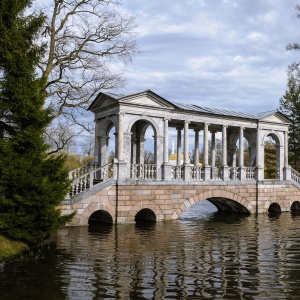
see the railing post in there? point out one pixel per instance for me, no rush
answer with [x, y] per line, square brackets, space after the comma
[187, 172]
[287, 173]
[242, 173]
[225, 173]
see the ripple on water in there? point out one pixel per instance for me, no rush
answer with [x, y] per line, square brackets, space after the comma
[214, 256]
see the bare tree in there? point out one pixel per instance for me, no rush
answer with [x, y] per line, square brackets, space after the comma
[85, 42]
[60, 136]
[148, 157]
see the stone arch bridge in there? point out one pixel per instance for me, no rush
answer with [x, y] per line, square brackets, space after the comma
[220, 156]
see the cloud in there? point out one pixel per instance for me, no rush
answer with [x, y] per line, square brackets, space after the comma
[214, 53]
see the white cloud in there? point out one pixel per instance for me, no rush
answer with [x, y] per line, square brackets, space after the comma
[214, 52]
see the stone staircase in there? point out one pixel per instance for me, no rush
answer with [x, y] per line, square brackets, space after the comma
[295, 175]
[87, 178]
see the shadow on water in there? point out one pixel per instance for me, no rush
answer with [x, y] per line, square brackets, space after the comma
[145, 225]
[101, 230]
[37, 276]
[274, 215]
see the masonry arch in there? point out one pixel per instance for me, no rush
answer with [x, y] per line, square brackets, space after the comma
[223, 200]
[106, 143]
[145, 214]
[295, 206]
[100, 217]
[274, 208]
[149, 208]
[92, 208]
[143, 143]
[272, 158]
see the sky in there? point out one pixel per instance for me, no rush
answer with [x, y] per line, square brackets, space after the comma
[217, 53]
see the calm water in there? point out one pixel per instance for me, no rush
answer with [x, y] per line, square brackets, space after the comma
[209, 257]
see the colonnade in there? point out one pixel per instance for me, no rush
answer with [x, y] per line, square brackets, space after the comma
[134, 113]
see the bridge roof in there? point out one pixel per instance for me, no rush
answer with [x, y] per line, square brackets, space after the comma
[193, 107]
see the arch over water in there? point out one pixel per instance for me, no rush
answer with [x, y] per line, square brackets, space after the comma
[223, 200]
[295, 206]
[228, 205]
[145, 214]
[274, 207]
[100, 216]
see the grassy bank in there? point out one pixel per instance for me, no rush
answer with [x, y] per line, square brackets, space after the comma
[9, 248]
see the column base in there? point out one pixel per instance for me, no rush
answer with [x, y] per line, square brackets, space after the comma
[259, 173]
[242, 173]
[187, 172]
[207, 173]
[166, 171]
[225, 173]
[287, 173]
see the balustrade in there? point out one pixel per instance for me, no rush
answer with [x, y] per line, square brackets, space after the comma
[295, 175]
[145, 172]
[177, 173]
[234, 173]
[86, 180]
[250, 173]
[196, 173]
[216, 173]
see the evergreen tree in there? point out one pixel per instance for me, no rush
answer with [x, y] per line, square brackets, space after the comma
[32, 184]
[290, 106]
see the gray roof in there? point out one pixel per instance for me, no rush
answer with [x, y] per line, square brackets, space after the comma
[203, 109]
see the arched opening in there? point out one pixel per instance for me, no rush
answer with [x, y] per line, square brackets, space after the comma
[200, 210]
[111, 143]
[142, 143]
[271, 157]
[228, 205]
[274, 208]
[295, 206]
[100, 217]
[145, 214]
[143, 151]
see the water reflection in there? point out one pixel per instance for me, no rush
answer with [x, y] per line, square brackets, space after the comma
[215, 256]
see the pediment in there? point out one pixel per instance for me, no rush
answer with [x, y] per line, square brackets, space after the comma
[147, 98]
[276, 117]
[102, 100]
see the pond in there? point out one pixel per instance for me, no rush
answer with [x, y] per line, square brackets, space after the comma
[204, 255]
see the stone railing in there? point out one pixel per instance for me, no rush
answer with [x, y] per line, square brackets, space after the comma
[88, 179]
[295, 175]
[79, 172]
[196, 173]
[145, 172]
[250, 173]
[177, 172]
[234, 173]
[216, 173]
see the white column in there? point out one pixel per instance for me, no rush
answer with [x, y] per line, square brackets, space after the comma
[241, 147]
[166, 141]
[205, 142]
[178, 146]
[186, 142]
[196, 154]
[224, 146]
[258, 149]
[213, 148]
[121, 138]
[286, 150]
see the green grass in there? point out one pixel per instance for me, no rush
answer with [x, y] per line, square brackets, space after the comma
[10, 248]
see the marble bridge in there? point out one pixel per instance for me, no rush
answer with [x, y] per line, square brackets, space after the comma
[220, 156]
